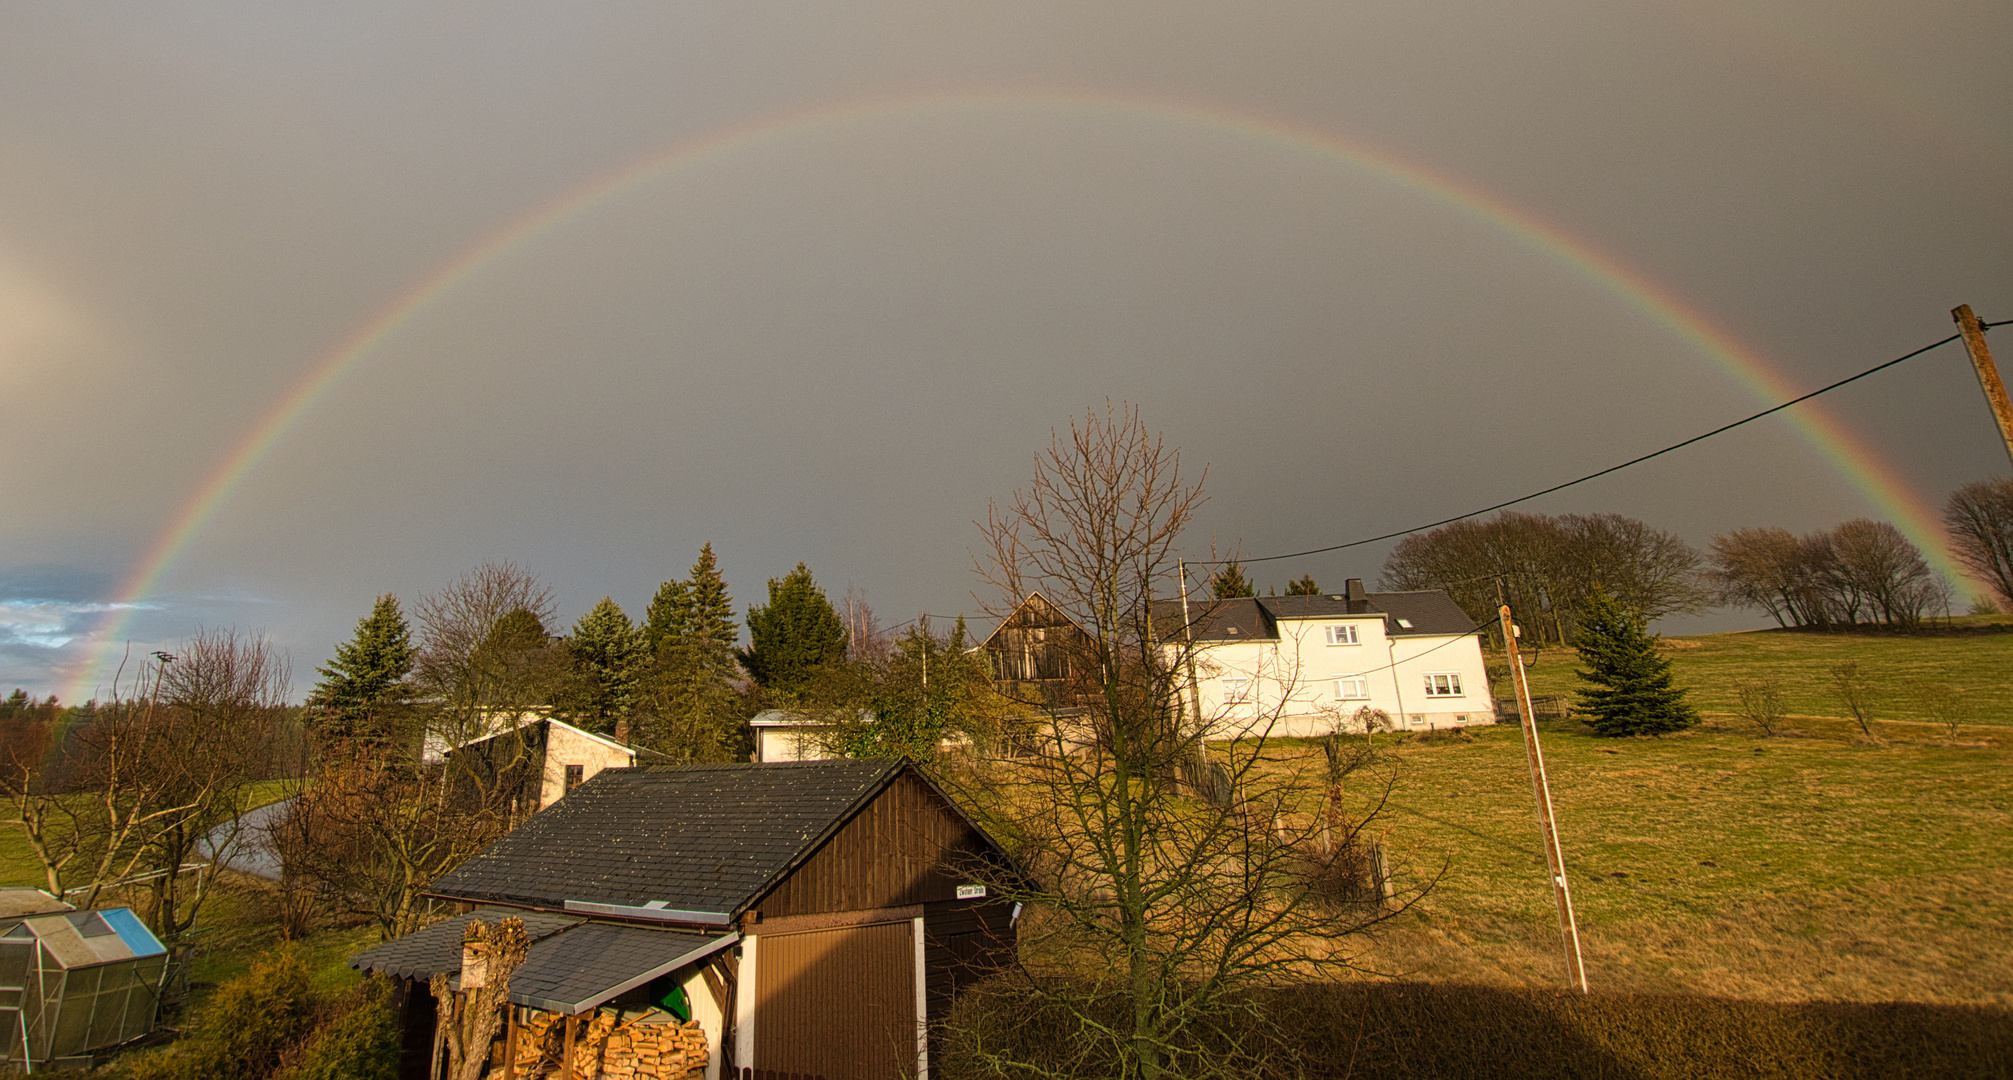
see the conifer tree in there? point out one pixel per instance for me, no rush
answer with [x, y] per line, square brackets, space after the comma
[689, 695]
[367, 674]
[1230, 583]
[795, 635]
[1633, 692]
[607, 653]
[1303, 586]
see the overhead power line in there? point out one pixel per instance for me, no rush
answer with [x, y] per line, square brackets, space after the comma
[1722, 429]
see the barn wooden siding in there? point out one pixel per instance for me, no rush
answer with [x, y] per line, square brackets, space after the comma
[903, 848]
[840, 1004]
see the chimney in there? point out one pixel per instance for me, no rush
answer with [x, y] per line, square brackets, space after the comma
[1352, 590]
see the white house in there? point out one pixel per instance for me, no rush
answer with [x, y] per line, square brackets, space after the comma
[555, 756]
[1293, 666]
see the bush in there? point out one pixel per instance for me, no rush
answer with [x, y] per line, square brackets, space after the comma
[360, 1042]
[245, 1029]
[267, 1025]
[1416, 1031]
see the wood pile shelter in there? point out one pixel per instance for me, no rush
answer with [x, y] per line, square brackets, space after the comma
[805, 918]
[73, 983]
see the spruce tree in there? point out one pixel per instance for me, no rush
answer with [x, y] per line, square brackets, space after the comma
[689, 694]
[1633, 692]
[795, 635]
[367, 674]
[1303, 586]
[607, 653]
[1230, 583]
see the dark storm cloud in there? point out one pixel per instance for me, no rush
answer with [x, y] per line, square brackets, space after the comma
[836, 346]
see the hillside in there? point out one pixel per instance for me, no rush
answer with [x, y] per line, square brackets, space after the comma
[1974, 654]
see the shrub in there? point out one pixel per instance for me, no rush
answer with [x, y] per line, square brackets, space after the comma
[247, 1026]
[360, 1042]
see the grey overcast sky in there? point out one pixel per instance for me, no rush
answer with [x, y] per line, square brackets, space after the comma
[913, 238]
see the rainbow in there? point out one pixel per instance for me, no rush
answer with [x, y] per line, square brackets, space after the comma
[1879, 484]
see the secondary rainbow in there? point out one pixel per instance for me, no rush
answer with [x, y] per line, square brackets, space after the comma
[1871, 477]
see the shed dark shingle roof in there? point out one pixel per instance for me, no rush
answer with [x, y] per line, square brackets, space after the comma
[704, 838]
[573, 964]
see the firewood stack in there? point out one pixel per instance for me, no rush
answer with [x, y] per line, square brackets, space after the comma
[606, 1048]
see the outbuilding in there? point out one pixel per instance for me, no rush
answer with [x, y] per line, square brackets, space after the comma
[73, 983]
[807, 918]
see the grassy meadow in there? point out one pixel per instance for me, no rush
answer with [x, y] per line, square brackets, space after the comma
[1973, 654]
[1813, 866]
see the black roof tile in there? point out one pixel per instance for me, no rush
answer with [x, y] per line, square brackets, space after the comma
[1428, 612]
[436, 948]
[706, 838]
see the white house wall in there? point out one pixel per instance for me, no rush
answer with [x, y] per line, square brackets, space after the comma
[1293, 684]
[565, 746]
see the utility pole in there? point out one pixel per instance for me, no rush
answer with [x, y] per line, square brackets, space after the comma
[1548, 826]
[1988, 373]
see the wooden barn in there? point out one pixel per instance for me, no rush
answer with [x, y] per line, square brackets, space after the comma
[1040, 656]
[794, 918]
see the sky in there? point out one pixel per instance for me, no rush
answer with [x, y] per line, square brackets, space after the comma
[305, 303]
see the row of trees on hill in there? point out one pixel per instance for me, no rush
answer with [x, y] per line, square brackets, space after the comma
[1863, 571]
[1546, 566]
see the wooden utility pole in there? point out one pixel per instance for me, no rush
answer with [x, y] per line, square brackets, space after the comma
[1988, 373]
[1548, 826]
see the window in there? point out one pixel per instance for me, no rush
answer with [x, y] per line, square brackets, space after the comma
[1448, 685]
[1352, 688]
[1236, 691]
[574, 774]
[1344, 634]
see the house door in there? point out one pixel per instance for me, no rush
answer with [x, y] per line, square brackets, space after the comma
[838, 1004]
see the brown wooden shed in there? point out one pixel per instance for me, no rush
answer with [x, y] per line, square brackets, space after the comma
[830, 909]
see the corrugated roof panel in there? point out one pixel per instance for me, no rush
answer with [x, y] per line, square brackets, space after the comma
[437, 948]
[590, 964]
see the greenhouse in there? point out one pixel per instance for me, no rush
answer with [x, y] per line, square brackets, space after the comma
[73, 983]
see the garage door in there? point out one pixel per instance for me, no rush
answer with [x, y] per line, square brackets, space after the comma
[838, 1004]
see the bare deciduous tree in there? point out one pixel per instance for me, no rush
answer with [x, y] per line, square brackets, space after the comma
[1545, 566]
[1980, 519]
[1149, 909]
[1856, 691]
[1761, 702]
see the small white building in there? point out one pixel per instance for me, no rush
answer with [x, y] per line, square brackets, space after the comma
[1293, 666]
[782, 735]
[555, 756]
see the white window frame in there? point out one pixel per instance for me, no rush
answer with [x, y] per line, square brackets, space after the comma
[1450, 688]
[1342, 634]
[1236, 691]
[1342, 685]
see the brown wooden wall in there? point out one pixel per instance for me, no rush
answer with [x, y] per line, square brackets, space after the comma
[963, 942]
[903, 848]
[838, 1004]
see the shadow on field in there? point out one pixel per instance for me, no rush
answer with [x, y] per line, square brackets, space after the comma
[1414, 1031]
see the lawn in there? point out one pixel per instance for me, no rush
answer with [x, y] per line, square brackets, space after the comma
[1796, 868]
[1974, 654]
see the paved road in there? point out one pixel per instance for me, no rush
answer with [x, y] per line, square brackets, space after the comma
[252, 854]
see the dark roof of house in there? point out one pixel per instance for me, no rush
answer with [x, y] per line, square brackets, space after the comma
[688, 838]
[1406, 614]
[573, 964]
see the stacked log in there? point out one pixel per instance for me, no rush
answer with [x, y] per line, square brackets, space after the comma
[608, 1048]
[653, 1051]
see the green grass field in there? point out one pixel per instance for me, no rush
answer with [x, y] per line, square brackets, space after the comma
[1718, 862]
[1974, 654]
